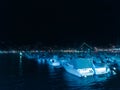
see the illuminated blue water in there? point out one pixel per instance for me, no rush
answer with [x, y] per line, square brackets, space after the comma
[22, 74]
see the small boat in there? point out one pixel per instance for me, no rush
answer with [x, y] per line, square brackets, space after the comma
[100, 69]
[79, 67]
[54, 62]
[84, 67]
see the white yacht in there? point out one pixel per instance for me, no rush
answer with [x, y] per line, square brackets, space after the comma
[80, 67]
[84, 67]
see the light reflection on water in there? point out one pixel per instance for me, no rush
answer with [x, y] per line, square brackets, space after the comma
[20, 66]
[19, 73]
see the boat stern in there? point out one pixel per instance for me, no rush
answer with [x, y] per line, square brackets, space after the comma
[86, 72]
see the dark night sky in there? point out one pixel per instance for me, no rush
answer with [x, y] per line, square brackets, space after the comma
[51, 22]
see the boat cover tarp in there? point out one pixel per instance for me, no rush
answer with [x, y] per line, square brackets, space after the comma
[82, 63]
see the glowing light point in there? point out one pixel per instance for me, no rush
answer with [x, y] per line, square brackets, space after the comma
[21, 53]
[85, 76]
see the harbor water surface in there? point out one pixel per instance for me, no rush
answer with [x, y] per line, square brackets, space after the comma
[20, 73]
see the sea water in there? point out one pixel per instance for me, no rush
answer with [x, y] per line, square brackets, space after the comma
[20, 73]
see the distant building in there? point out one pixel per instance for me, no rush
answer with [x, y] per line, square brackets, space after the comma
[86, 47]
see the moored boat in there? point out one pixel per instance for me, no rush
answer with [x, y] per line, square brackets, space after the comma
[84, 67]
[79, 67]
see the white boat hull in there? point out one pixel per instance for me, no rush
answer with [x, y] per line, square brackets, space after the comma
[78, 72]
